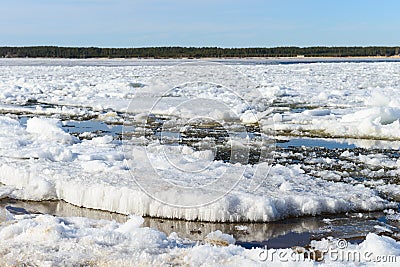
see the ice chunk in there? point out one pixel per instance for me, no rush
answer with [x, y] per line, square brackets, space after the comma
[48, 129]
[219, 239]
[133, 223]
[5, 215]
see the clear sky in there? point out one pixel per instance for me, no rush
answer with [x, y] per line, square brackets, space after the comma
[224, 23]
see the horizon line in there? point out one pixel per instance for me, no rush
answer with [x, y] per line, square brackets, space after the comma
[218, 47]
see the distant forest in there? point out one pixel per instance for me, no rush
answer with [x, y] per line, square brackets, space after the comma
[194, 52]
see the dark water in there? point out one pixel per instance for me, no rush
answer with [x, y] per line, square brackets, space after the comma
[315, 142]
[94, 126]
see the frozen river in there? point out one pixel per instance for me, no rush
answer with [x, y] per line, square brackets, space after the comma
[273, 152]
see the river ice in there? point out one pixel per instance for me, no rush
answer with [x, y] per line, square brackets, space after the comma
[143, 176]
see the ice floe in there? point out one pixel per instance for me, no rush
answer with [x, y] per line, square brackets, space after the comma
[98, 174]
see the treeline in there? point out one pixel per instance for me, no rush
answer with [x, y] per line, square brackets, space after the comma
[194, 52]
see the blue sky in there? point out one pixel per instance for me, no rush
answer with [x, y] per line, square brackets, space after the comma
[224, 23]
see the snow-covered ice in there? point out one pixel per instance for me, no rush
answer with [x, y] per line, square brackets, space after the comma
[332, 99]
[95, 174]
[354, 102]
[41, 161]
